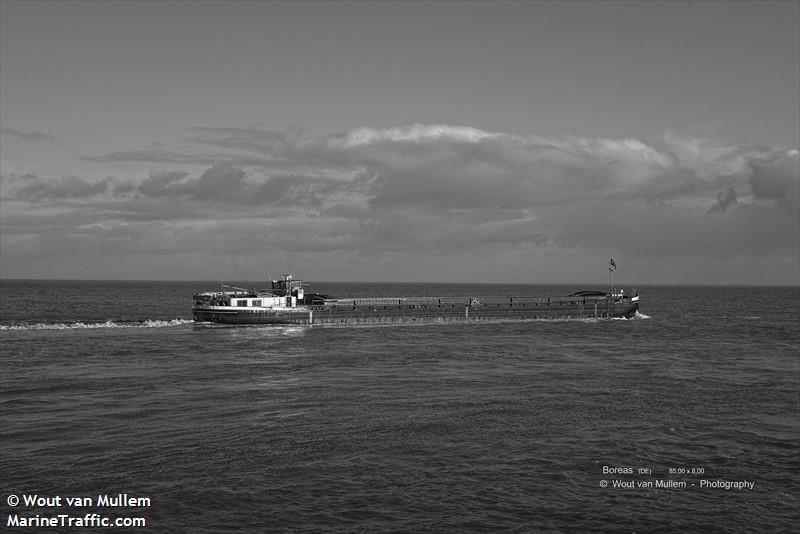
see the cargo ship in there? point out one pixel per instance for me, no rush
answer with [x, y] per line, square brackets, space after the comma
[286, 303]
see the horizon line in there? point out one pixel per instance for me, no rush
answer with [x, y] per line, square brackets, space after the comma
[431, 282]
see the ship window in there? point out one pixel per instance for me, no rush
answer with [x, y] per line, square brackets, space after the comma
[241, 303]
[257, 302]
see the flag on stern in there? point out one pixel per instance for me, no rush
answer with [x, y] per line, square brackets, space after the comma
[612, 265]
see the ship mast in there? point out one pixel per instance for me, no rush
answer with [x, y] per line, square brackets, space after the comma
[612, 266]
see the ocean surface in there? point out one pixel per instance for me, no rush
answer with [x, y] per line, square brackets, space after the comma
[109, 388]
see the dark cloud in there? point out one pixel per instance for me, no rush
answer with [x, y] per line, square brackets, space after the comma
[28, 137]
[773, 179]
[155, 155]
[35, 189]
[163, 184]
[724, 201]
[160, 156]
[250, 139]
[227, 184]
[221, 182]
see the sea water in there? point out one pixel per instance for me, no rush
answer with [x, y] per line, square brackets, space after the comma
[111, 394]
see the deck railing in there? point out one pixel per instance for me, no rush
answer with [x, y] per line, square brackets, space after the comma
[465, 301]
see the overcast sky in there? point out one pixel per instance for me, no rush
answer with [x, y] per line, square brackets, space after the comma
[376, 141]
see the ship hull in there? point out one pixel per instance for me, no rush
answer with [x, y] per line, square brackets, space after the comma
[421, 310]
[227, 316]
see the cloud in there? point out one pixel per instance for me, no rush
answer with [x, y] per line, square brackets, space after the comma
[775, 178]
[436, 190]
[153, 155]
[724, 201]
[251, 139]
[220, 183]
[162, 156]
[28, 137]
[33, 188]
[416, 133]
[163, 184]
